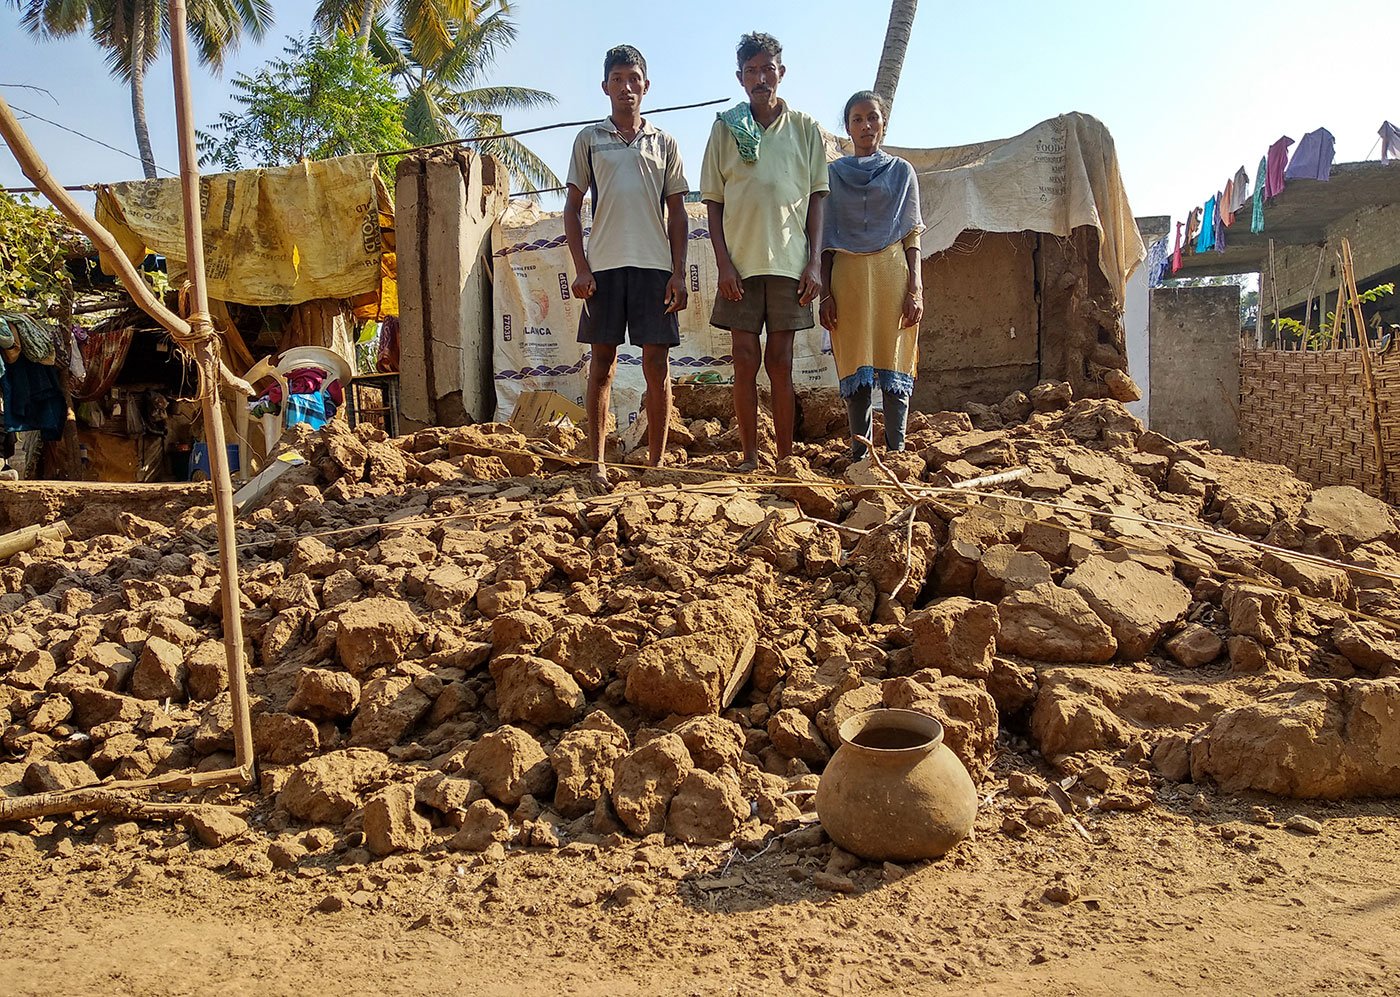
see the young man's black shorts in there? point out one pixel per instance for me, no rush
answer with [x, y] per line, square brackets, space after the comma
[630, 300]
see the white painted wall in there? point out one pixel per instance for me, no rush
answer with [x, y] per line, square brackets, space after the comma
[1135, 332]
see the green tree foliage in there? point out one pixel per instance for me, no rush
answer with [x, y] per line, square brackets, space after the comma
[430, 25]
[35, 243]
[1247, 283]
[1321, 337]
[324, 99]
[133, 32]
[446, 99]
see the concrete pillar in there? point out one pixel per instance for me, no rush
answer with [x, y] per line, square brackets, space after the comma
[444, 211]
[1194, 339]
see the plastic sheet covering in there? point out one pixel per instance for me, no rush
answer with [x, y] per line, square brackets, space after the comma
[271, 236]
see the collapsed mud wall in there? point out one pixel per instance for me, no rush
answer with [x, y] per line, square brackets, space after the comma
[1004, 311]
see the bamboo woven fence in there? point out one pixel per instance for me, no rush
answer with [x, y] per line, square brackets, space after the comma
[1311, 412]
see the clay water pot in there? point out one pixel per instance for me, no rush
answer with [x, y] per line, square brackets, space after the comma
[893, 791]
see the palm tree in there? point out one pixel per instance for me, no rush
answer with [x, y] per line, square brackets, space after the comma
[897, 34]
[431, 24]
[133, 31]
[444, 102]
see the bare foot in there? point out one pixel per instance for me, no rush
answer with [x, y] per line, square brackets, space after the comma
[749, 463]
[599, 477]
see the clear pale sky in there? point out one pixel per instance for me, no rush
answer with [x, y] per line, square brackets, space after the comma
[1190, 90]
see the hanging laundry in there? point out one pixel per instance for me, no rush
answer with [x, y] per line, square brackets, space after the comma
[33, 398]
[1390, 142]
[77, 370]
[1227, 214]
[1158, 259]
[9, 340]
[1312, 160]
[1176, 253]
[34, 339]
[1278, 160]
[1256, 222]
[1241, 189]
[1218, 236]
[1193, 229]
[1206, 238]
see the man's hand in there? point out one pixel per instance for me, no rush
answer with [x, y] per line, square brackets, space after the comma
[810, 285]
[731, 287]
[584, 285]
[677, 297]
[827, 313]
[913, 308]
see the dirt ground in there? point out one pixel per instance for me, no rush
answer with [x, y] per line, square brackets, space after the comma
[1193, 896]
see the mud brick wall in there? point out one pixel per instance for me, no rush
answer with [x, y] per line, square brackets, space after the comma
[1310, 412]
[1006, 310]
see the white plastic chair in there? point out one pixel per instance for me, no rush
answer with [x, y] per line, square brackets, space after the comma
[333, 364]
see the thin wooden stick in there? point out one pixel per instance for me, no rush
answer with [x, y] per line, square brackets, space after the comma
[1367, 372]
[206, 356]
[1312, 291]
[538, 128]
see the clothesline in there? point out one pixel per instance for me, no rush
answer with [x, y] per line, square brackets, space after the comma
[1206, 228]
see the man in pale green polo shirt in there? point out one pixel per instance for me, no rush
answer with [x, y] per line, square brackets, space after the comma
[763, 179]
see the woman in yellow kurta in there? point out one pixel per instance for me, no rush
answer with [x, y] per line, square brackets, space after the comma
[874, 296]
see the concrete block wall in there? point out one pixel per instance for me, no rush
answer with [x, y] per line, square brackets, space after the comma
[1194, 335]
[1374, 233]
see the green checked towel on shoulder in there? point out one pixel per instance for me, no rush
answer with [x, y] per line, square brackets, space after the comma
[747, 135]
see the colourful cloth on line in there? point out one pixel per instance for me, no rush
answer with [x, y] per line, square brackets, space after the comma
[1277, 158]
[1205, 238]
[1313, 158]
[1256, 222]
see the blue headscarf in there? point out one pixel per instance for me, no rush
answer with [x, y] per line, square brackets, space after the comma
[874, 203]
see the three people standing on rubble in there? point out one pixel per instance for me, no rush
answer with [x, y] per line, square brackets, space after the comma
[778, 249]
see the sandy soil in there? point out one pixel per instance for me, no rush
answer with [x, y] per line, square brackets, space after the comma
[1194, 896]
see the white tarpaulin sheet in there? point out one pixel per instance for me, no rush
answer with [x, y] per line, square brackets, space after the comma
[1054, 178]
[536, 320]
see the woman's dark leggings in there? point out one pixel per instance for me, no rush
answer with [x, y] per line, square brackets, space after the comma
[859, 408]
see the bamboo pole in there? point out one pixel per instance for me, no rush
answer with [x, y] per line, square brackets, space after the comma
[29, 537]
[207, 358]
[196, 337]
[1367, 372]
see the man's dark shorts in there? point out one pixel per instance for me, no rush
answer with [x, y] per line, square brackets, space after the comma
[629, 300]
[768, 301]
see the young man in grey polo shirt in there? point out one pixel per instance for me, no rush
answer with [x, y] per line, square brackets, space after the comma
[631, 278]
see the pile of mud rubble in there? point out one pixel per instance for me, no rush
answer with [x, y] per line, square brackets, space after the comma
[457, 643]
